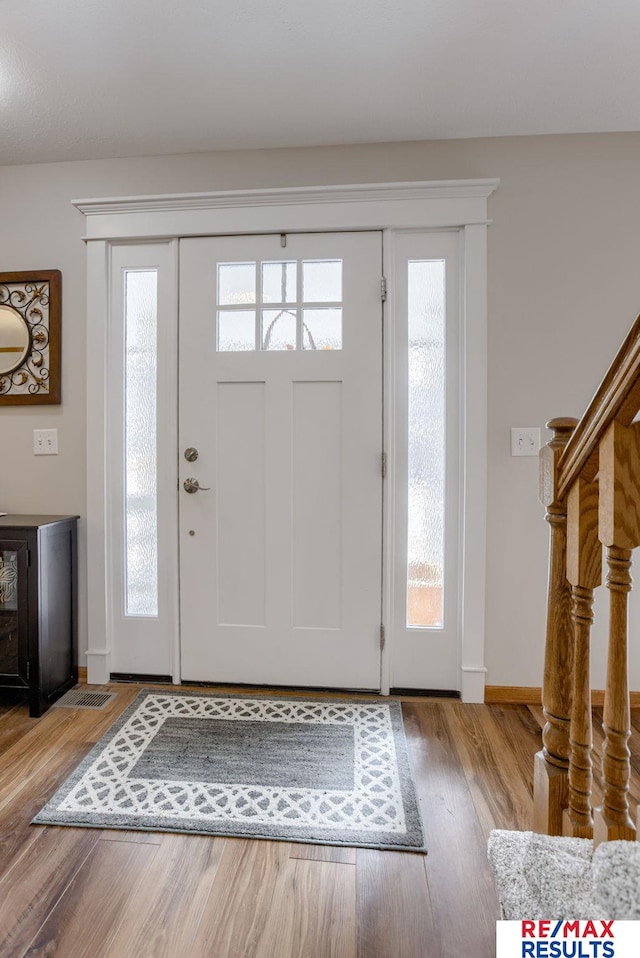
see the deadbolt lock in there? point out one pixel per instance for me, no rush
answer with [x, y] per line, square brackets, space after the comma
[191, 454]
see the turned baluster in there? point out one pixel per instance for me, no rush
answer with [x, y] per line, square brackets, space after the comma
[552, 763]
[619, 530]
[584, 572]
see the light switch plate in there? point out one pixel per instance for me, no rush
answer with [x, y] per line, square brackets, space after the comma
[525, 440]
[45, 442]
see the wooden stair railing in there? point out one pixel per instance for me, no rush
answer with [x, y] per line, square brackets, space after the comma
[590, 486]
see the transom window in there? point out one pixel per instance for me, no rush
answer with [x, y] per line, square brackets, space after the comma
[279, 305]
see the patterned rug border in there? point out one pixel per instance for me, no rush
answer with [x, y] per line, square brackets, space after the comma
[413, 838]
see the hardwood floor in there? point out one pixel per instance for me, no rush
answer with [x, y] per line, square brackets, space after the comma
[73, 892]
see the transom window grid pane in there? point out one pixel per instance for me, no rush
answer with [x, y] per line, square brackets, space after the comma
[280, 281]
[140, 443]
[279, 329]
[236, 330]
[298, 305]
[236, 284]
[426, 444]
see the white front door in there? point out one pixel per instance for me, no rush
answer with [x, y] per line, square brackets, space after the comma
[280, 373]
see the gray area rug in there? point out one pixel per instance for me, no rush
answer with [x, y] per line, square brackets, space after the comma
[322, 771]
[545, 877]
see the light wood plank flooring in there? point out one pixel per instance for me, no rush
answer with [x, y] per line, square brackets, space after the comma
[71, 892]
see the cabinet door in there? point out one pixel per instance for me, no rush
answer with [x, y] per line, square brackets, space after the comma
[14, 617]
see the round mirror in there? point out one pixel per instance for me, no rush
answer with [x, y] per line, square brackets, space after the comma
[15, 340]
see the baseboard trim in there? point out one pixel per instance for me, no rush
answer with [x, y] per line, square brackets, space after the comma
[532, 695]
[512, 695]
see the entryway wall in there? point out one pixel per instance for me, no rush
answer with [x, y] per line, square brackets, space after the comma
[562, 264]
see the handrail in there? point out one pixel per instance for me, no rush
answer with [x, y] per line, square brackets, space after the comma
[590, 486]
[617, 398]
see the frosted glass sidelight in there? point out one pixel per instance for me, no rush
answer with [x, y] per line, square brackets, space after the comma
[426, 443]
[279, 282]
[279, 329]
[322, 281]
[236, 284]
[140, 436]
[236, 330]
[322, 328]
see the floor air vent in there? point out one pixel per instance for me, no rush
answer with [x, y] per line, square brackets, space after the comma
[78, 699]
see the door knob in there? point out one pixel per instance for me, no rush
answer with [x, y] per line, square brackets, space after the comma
[192, 485]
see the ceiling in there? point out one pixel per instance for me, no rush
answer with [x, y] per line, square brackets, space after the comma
[83, 79]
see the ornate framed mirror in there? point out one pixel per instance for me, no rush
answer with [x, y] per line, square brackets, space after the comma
[30, 308]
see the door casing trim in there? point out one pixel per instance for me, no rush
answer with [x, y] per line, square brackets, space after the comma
[456, 204]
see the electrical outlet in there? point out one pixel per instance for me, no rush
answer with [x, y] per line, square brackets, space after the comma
[525, 440]
[45, 442]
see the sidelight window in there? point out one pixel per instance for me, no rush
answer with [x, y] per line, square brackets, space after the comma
[140, 452]
[426, 443]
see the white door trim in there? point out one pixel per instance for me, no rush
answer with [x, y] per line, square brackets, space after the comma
[387, 206]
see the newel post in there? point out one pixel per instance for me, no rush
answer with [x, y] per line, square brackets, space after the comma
[551, 791]
[619, 531]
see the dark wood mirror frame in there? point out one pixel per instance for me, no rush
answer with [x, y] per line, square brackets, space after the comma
[34, 296]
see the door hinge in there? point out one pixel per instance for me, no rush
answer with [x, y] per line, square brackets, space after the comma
[383, 289]
[28, 558]
[383, 464]
[28, 668]
[382, 637]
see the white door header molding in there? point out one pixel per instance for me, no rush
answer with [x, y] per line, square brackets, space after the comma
[435, 204]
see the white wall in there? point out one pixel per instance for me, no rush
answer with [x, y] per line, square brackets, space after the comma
[563, 275]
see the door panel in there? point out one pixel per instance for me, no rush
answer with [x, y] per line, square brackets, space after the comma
[241, 504]
[281, 393]
[317, 508]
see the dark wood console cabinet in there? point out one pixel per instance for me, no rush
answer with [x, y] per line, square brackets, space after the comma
[38, 607]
